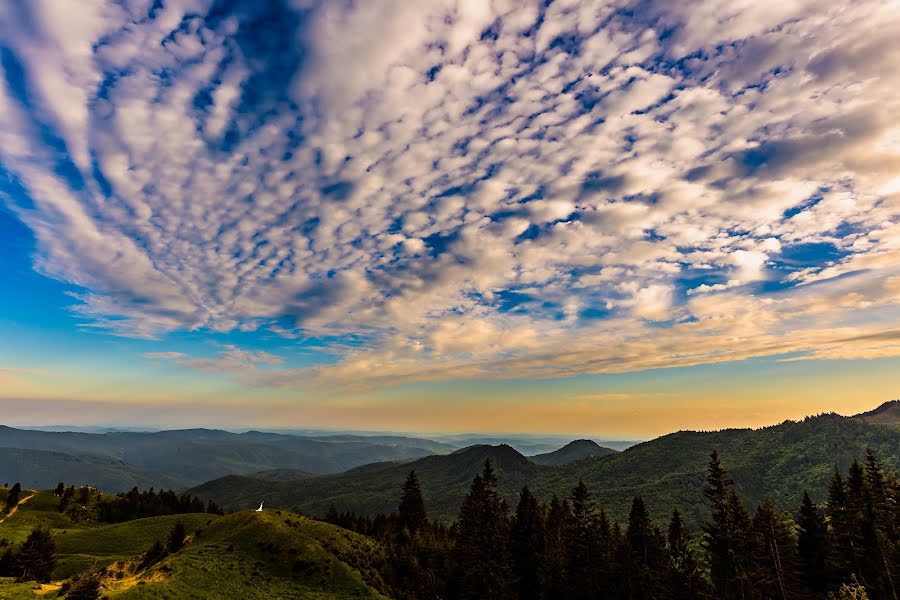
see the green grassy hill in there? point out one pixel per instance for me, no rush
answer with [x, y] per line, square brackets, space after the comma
[780, 461]
[272, 554]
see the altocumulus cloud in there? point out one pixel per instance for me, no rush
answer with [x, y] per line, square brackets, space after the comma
[473, 188]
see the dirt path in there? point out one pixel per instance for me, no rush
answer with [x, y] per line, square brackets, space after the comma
[16, 507]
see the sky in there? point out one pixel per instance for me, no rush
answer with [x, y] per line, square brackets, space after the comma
[613, 218]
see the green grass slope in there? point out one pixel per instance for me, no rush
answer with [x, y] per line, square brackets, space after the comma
[272, 554]
[262, 555]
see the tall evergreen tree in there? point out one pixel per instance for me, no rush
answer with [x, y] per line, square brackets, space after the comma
[412, 514]
[684, 579]
[718, 530]
[646, 554]
[36, 558]
[557, 527]
[581, 548]
[481, 552]
[812, 547]
[775, 567]
[527, 540]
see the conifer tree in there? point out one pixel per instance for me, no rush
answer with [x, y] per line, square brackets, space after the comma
[684, 579]
[555, 550]
[527, 539]
[775, 566]
[411, 512]
[481, 553]
[36, 558]
[812, 546]
[581, 569]
[646, 553]
[718, 530]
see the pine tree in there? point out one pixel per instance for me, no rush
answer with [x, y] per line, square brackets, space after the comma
[36, 558]
[718, 531]
[775, 556]
[481, 553]
[555, 551]
[812, 546]
[527, 539]
[60, 489]
[646, 553]
[581, 569]
[684, 579]
[412, 513]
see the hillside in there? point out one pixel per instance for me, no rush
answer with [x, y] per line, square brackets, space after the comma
[888, 415]
[242, 555]
[375, 488]
[780, 461]
[574, 450]
[188, 457]
[43, 469]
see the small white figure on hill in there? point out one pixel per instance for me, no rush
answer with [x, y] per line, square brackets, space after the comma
[260, 506]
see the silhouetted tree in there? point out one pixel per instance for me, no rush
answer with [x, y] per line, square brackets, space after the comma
[646, 553]
[412, 512]
[481, 554]
[13, 496]
[812, 546]
[581, 568]
[527, 541]
[775, 566]
[684, 579]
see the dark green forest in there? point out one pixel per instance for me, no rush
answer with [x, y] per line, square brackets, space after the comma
[844, 547]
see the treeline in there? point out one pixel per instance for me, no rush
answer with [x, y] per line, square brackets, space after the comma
[138, 505]
[847, 548]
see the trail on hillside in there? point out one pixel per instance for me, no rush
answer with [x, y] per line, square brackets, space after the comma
[16, 507]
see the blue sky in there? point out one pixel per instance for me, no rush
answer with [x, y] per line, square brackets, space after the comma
[337, 212]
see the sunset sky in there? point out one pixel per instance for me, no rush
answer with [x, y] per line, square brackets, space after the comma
[609, 218]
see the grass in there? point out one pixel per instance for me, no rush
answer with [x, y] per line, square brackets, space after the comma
[265, 555]
[272, 554]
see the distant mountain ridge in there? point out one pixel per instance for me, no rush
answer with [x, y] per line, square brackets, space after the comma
[779, 461]
[180, 458]
[574, 450]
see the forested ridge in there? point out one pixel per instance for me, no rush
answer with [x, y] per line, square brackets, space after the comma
[844, 547]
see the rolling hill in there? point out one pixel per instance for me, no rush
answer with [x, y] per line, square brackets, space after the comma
[779, 461]
[242, 555]
[42, 469]
[574, 450]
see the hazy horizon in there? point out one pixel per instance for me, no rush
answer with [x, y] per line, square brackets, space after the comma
[616, 218]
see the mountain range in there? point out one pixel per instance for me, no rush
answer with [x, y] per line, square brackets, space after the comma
[780, 461]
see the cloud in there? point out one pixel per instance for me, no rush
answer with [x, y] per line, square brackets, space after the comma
[462, 188]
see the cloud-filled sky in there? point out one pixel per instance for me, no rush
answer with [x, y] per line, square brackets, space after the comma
[340, 209]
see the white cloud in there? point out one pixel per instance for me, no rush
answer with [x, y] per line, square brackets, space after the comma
[425, 162]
